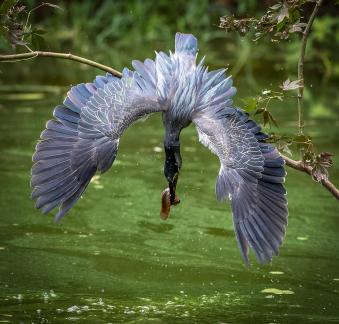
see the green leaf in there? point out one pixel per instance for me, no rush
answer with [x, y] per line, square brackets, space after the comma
[250, 103]
[294, 15]
[303, 142]
[277, 6]
[281, 25]
[6, 5]
[3, 31]
[301, 139]
[37, 41]
[38, 31]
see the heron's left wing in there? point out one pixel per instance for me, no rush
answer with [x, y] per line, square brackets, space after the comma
[251, 176]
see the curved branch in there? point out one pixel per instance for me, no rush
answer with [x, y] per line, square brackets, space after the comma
[300, 166]
[67, 56]
[301, 122]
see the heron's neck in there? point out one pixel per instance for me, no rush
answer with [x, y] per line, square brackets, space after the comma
[171, 139]
[173, 127]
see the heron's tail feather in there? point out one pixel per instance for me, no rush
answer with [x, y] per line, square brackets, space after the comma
[186, 43]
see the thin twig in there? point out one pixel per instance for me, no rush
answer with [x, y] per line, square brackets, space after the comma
[306, 32]
[69, 56]
[300, 166]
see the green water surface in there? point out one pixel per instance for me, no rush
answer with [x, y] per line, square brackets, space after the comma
[112, 259]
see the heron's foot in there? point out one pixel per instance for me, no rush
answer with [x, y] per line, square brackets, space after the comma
[166, 203]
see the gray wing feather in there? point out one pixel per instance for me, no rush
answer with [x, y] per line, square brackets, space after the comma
[251, 176]
[116, 106]
[230, 140]
[84, 137]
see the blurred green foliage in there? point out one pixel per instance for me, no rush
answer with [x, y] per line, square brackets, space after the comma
[258, 40]
[115, 32]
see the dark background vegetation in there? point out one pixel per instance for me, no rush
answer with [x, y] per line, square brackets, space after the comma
[115, 32]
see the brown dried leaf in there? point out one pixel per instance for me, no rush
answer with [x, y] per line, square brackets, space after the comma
[322, 163]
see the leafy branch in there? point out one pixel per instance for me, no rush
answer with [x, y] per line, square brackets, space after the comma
[280, 20]
[278, 23]
[16, 28]
[301, 166]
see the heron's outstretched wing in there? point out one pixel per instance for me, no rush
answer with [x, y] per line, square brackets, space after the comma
[251, 176]
[84, 137]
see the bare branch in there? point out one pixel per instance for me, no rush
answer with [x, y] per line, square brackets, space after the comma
[300, 166]
[67, 56]
[301, 67]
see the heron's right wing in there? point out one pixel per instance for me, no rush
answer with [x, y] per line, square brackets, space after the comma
[84, 137]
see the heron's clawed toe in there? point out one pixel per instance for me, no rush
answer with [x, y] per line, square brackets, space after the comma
[176, 200]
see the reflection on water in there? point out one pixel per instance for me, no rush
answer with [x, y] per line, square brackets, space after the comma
[112, 259]
[158, 228]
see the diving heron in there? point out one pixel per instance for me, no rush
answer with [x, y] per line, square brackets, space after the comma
[84, 135]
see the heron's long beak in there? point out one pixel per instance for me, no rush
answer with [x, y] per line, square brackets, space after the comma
[172, 185]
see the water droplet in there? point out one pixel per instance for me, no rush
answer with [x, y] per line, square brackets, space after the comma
[276, 272]
[302, 238]
[157, 149]
[74, 309]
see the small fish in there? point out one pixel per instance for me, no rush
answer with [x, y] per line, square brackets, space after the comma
[166, 203]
